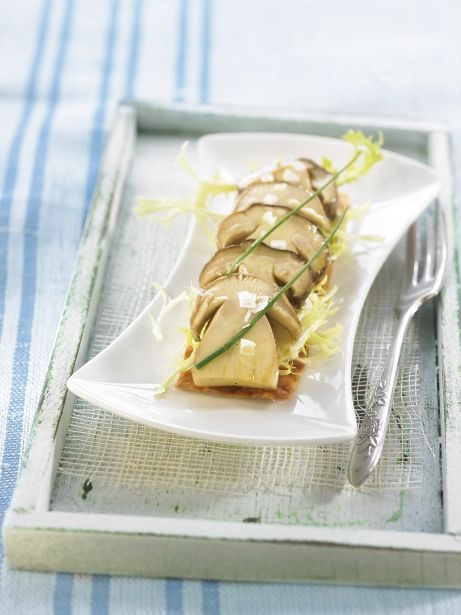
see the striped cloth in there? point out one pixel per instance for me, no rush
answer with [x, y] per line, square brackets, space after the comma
[63, 66]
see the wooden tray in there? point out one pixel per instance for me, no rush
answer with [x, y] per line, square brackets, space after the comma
[98, 494]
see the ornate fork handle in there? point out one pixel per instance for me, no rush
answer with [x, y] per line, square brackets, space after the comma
[422, 282]
[372, 432]
[377, 412]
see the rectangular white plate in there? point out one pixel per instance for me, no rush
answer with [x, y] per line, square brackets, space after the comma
[123, 377]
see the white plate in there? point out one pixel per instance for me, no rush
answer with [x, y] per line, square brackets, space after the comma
[123, 377]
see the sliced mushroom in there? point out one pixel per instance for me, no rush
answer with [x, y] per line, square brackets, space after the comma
[251, 294]
[329, 196]
[227, 305]
[252, 362]
[269, 264]
[296, 234]
[285, 195]
[290, 171]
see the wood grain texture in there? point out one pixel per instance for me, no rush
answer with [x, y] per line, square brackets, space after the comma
[449, 346]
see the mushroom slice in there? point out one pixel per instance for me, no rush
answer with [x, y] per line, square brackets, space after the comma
[251, 294]
[289, 171]
[269, 264]
[251, 363]
[297, 234]
[329, 196]
[285, 195]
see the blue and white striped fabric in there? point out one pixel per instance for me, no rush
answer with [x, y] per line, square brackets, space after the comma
[63, 66]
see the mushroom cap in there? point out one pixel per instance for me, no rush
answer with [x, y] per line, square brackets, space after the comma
[285, 195]
[297, 233]
[251, 293]
[269, 264]
[251, 363]
[329, 196]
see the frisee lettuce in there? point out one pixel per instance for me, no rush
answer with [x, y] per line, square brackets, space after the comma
[371, 153]
[340, 244]
[167, 305]
[316, 343]
[207, 189]
[183, 364]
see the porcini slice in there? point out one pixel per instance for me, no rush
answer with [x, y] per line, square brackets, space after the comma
[297, 234]
[269, 264]
[226, 306]
[286, 195]
[251, 363]
[252, 295]
[329, 196]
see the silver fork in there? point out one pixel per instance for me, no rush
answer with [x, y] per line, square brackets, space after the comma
[423, 280]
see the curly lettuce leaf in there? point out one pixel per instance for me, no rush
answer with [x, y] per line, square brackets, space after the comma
[370, 153]
[316, 343]
[198, 205]
[182, 364]
[340, 244]
[167, 305]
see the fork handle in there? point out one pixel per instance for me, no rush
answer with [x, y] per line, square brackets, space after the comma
[369, 443]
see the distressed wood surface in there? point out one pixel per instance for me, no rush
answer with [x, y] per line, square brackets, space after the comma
[31, 523]
[166, 548]
[449, 346]
[76, 320]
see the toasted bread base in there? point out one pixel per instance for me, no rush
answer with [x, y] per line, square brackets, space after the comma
[286, 387]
